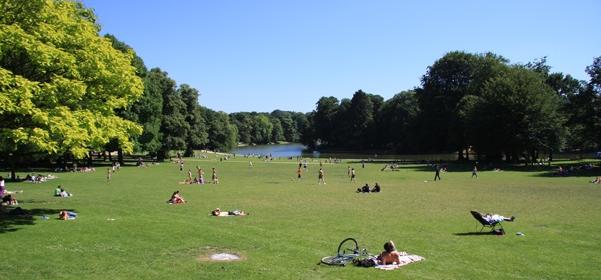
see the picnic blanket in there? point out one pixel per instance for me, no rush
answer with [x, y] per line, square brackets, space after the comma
[405, 260]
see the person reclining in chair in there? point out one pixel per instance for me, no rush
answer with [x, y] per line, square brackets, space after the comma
[492, 218]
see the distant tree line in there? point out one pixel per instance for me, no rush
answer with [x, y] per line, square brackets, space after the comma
[470, 104]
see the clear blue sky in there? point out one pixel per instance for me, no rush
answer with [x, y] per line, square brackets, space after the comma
[262, 55]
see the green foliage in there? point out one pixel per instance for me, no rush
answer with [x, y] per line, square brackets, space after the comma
[197, 136]
[396, 122]
[277, 133]
[174, 128]
[517, 114]
[60, 81]
[447, 81]
[222, 133]
[360, 117]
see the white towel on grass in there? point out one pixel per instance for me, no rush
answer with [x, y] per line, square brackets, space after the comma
[405, 260]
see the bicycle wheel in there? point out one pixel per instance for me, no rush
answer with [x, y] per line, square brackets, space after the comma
[338, 260]
[348, 246]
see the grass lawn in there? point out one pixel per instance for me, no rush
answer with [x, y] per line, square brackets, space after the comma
[125, 230]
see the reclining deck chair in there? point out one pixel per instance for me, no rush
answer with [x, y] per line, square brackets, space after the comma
[492, 225]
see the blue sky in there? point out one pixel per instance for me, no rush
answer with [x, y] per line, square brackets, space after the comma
[263, 55]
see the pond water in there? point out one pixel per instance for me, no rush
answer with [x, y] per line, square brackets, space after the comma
[279, 150]
[295, 149]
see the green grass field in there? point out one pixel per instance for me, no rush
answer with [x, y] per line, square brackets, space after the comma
[125, 230]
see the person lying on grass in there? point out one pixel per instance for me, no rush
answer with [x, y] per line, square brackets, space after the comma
[364, 189]
[67, 215]
[176, 198]
[217, 212]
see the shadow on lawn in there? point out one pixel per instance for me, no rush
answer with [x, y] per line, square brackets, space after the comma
[474, 233]
[12, 218]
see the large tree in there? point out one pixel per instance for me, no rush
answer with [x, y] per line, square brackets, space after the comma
[60, 82]
[222, 133]
[197, 135]
[324, 119]
[517, 116]
[359, 117]
[446, 82]
[395, 123]
[174, 127]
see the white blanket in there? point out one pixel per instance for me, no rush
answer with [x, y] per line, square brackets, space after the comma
[406, 259]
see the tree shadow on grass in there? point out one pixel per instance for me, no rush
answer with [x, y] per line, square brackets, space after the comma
[13, 218]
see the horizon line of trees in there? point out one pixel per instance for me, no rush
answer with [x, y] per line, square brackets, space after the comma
[470, 104]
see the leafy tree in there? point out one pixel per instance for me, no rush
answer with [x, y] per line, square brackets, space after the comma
[244, 123]
[324, 119]
[262, 129]
[447, 81]
[222, 134]
[360, 117]
[277, 133]
[197, 136]
[148, 112]
[136, 61]
[588, 103]
[174, 127]
[61, 82]
[518, 116]
[395, 122]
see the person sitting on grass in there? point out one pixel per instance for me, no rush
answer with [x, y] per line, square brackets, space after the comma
[176, 198]
[67, 215]
[390, 255]
[597, 180]
[217, 212]
[497, 218]
[9, 199]
[376, 188]
[364, 189]
[57, 191]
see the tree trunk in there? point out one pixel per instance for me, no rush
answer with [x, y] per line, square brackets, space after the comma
[120, 156]
[460, 154]
[189, 152]
[90, 160]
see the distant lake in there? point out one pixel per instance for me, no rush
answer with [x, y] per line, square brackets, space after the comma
[276, 150]
[295, 149]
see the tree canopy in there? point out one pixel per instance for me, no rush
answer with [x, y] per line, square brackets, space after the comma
[61, 82]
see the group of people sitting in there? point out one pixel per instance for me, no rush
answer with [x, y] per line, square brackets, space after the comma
[564, 171]
[60, 192]
[366, 189]
[38, 178]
